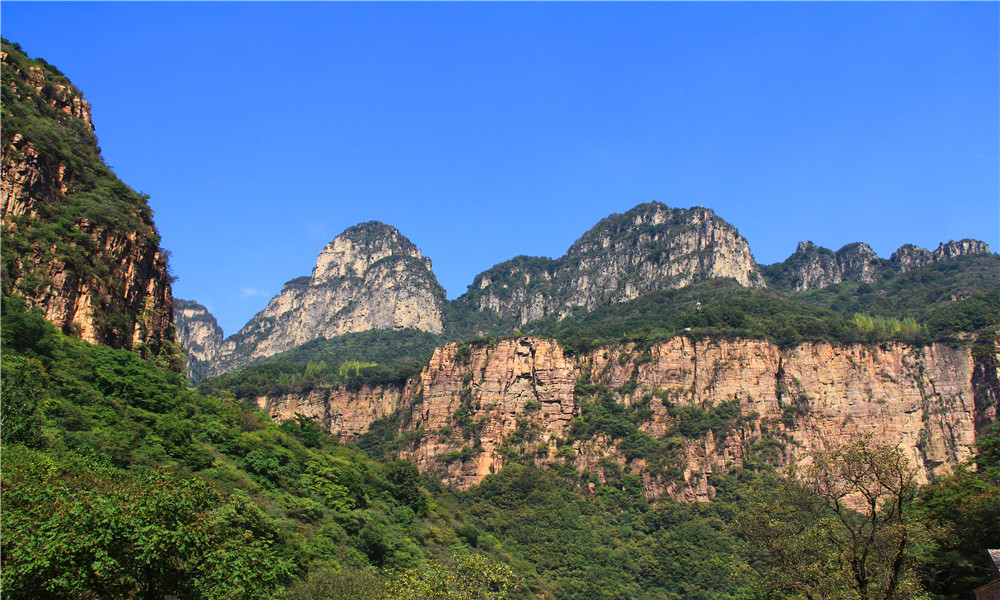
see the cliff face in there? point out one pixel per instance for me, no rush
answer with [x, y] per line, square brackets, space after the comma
[648, 248]
[369, 277]
[344, 413]
[686, 408]
[78, 243]
[200, 335]
[813, 267]
[786, 403]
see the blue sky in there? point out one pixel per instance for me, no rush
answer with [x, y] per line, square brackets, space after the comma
[487, 130]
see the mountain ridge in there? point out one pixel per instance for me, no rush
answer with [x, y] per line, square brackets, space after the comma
[649, 248]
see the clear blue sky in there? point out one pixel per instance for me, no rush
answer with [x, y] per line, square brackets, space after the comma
[487, 130]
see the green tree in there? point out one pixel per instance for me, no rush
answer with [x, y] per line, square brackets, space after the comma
[76, 529]
[844, 528]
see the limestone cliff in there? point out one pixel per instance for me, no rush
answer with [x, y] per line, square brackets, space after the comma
[624, 256]
[78, 243]
[199, 334]
[343, 412]
[814, 267]
[474, 410]
[369, 277]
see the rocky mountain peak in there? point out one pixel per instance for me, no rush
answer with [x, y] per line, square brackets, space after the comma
[812, 266]
[643, 224]
[909, 257]
[966, 247]
[858, 262]
[624, 256]
[353, 252]
[200, 334]
[369, 277]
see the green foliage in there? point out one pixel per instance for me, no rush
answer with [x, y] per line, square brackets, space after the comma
[844, 528]
[76, 528]
[117, 476]
[377, 357]
[963, 513]
[593, 547]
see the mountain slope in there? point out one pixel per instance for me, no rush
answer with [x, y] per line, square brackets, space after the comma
[78, 243]
[813, 267]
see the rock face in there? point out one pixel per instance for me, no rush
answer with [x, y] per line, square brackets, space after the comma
[369, 277]
[78, 243]
[909, 257]
[473, 410]
[814, 267]
[344, 413]
[648, 248]
[200, 335]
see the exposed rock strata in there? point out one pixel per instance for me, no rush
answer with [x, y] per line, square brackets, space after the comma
[369, 277]
[650, 247]
[96, 278]
[517, 397]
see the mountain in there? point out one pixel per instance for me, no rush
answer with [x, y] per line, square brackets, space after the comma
[354, 288]
[650, 247]
[369, 277]
[572, 466]
[77, 242]
[812, 267]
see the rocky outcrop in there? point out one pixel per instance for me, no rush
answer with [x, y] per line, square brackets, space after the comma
[953, 249]
[814, 267]
[343, 412]
[858, 262]
[648, 248]
[78, 243]
[909, 257]
[695, 406]
[200, 337]
[369, 277]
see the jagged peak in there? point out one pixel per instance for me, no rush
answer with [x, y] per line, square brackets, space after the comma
[964, 247]
[910, 256]
[351, 253]
[644, 218]
[860, 248]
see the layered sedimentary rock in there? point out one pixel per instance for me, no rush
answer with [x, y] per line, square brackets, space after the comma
[648, 248]
[369, 277]
[78, 243]
[473, 410]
